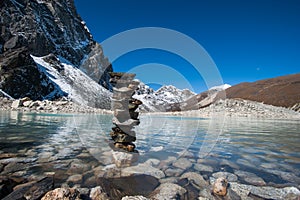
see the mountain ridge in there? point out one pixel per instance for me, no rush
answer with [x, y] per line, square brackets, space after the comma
[278, 91]
[157, 100]
[282, 91]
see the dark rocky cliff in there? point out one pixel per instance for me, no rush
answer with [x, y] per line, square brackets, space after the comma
[40, 28]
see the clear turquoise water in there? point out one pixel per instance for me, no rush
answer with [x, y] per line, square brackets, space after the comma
[255, 145]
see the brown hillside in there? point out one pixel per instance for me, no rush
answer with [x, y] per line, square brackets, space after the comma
[281, 91]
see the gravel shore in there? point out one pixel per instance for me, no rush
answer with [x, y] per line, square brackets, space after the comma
[224, 108]
[58, 106]
[238, 108]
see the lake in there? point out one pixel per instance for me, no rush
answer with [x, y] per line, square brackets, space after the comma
[265, 148]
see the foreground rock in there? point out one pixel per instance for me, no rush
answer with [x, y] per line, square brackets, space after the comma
[143, 168]
[220, 186]
[119, 187]
[63, 194]
[97, 193]
[168, 191]
[31, 190]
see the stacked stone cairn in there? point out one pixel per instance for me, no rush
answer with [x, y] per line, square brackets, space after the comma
[124, 107]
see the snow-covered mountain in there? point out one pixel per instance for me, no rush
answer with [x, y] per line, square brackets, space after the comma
[158, 100]
[201, 100]
[48, 29]
[72, 82]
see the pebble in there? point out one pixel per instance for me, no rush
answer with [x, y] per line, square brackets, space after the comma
[45, 157]
[287, 176]
[203, 168]
[15, 167]
[269, 165]
[229, 176]
[169, 180]
[229, 163]
[168, 191]
[173, 172]
[153, 162]
[220, 186]
[250, 178]
[210, 162]
[134, 198]
[83, 155]
[143, 169]
[197, 179]
[246, 163]
[78, 167]
[182, 163]
[76, 178]
[62, 193]
[17, 160]
[97, 193]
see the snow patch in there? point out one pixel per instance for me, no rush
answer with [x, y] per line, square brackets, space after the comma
[85, 27]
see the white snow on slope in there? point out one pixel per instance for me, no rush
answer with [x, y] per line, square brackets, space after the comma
[79, 87]
[220, 87]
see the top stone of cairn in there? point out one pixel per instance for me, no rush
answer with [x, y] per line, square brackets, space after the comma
[115, 76]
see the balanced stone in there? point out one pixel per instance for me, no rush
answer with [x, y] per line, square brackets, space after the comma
[134, 104]
[134, 85]
[125, 146]
[119, 103]
[122, 137]
[121, 93]
[134, 115]
[122, 83]
[119, 131]
[122, 115]
[117, 76]
[128, 123]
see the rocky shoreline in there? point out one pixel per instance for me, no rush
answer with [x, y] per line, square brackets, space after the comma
[184, 178]
[46, 106]
[223, 108]
[238, 108]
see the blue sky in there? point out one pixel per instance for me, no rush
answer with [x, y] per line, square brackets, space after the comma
[247, 40]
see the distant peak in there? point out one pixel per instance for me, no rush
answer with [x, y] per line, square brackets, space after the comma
[220, 87]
